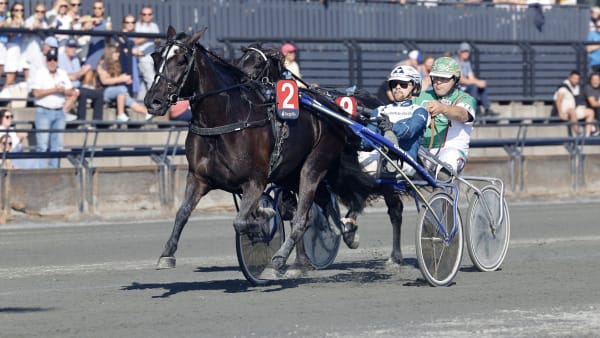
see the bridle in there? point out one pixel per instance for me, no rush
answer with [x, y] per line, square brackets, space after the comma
[190, 54]
[264, 73]
[172, 85]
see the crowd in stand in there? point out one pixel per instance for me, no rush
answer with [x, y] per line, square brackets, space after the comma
[100, 69]
[64, 74]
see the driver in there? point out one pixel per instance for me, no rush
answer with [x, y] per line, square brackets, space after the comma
[453, 112]
[402, 121]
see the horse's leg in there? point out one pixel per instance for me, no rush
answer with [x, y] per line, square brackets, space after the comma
[194, 190]
[395, 208]
[251, 193]
[350, 229]
[306, 196]
[323, 199]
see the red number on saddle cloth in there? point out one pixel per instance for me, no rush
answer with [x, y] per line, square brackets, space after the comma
[348, 103]
[288, 107]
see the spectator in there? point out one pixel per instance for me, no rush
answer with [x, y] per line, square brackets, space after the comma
[79, 22]
[6, 125]
[3, 38]
[415, 59]
[31, 49]
[145, 47]
[425, 70]
[476, 87]
[37, 57]
[70, 63]
[591, 92]
[571, 105]
[12, 62]
[128, 53]
[180, 111]
[594, 17]
[115, 84]
[58, 17]
[453, 112]
[594, 50]
[289, 53]
[50, 87]
[97, 43]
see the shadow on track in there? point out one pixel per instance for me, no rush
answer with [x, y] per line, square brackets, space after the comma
[363, 272]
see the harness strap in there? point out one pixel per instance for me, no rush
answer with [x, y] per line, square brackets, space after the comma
[200, 97]
[227, 128]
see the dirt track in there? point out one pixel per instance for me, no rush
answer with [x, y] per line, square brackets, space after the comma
[98, 280]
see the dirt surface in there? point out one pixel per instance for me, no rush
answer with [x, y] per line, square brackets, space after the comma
[97, 279]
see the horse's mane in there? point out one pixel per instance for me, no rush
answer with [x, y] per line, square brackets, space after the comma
[236, 72]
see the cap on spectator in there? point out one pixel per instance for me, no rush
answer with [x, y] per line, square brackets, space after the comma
[464, 46]
[416, 55]
[288, 48]
[72, 43]
[52, 54]
[51, 41]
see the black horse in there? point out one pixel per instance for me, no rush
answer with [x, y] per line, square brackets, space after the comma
[232, 145]
[266, 65]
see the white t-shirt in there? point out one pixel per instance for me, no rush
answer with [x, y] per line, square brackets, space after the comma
[43, 79]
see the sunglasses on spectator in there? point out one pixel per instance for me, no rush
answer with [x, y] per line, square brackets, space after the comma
[3, 3]
[128, 21]
[403, 85]
[41, 10]
[8, 117]
[9, 144]
[75, 4]
[51, 58]
[146, 14]
[17, 10]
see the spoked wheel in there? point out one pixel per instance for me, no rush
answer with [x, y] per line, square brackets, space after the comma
[439, 246]
[321, 239]
[487, 235]
[254, 250]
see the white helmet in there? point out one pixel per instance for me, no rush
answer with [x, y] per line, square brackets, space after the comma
[408, 74]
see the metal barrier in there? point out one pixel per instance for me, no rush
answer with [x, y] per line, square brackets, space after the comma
[82, 155]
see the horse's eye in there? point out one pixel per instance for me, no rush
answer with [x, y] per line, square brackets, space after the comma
[182, 61]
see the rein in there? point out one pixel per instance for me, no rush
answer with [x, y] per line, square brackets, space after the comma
[174, 98]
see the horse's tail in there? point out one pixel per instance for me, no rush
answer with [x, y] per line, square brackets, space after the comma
[346, 179]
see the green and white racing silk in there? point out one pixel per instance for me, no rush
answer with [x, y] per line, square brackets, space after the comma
[449, 133]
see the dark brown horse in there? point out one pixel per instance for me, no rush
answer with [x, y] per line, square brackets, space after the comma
[232, 145]
[266, 65]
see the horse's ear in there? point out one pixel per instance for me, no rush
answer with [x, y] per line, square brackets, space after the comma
[244, 49]
[194, 38]
[171, 32]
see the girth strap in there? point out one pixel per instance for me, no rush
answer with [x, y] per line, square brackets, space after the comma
[228, 128]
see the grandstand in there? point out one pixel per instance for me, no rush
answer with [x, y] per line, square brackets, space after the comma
[353, 43]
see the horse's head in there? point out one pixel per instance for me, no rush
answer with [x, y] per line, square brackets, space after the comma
[258, 63]
[175, 65]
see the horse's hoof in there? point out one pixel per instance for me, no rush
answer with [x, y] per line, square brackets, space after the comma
[269, 273]
[294, 271]
[352, 240]
[349, 233]
[165, 263]
[278, 263]
[393, 264]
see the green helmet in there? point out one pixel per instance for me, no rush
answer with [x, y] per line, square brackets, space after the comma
[445, 67]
